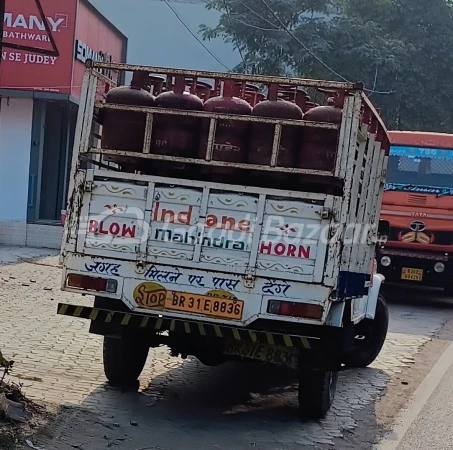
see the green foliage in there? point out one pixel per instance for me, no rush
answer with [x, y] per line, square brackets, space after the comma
[398, 46]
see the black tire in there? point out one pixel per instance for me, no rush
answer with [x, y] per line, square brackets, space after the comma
[124, 360]
[316, 393]
[448, 290]
[370, 336]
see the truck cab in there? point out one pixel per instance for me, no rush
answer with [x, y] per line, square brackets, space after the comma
[418, 206]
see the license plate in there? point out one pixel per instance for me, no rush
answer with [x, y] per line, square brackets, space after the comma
[412, 274]
[261, 352]
[223, 308]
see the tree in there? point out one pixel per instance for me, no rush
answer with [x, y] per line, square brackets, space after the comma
[400, 49]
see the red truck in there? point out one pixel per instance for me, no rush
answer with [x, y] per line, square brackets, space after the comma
[418, 206]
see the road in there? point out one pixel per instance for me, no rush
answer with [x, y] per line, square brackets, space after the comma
[432, 426]
[181, 404]
[426, 418]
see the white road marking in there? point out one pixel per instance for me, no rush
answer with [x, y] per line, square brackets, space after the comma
[409, 414]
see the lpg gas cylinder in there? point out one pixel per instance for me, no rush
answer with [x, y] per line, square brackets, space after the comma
[319, 146]
[262, 134]
[231, 136]
[176, 135]
[156, 84]
[203, 90]
[125, 130]
[251, 93]
[301, 98]
[309, 105]
[260, 97]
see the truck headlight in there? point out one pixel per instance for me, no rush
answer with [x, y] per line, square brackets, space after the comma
[386, 261]
[439, 267]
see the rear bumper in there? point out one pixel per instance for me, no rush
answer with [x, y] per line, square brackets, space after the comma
[318, 346]
[135, 289]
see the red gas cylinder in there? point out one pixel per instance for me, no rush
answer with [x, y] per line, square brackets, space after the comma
[301, 98]
[176, 135]
[231, 136]
[251, 94]
[319, 146]
[260, 98]
[309, 105]
[215, 91]
[156, 84]
[199, 88]
[125, 130]
[262, 134]
[203, 90]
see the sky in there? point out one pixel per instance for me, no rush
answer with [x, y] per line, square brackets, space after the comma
[158, 38]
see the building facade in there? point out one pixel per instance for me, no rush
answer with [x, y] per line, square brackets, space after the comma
[40, 87]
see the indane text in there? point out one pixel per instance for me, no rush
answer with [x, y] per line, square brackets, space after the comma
[233, 233]
[196, 235]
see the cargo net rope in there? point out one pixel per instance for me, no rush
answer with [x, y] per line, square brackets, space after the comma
[216, 125]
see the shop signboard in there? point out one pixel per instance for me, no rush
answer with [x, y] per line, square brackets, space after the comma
[47, 42]
[96, 39]
[24, 26]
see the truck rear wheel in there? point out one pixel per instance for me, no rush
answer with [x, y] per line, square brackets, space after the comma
[316, 392]
[369, 337]
[124, 359]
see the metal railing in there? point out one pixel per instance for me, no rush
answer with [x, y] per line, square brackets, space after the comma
[354, 103]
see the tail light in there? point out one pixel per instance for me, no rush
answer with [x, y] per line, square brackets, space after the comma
[88, 283]
[292, 309]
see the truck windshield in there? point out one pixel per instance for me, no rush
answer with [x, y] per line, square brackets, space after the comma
[416, 169]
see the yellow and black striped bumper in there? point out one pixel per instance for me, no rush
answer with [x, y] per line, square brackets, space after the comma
[182, 326]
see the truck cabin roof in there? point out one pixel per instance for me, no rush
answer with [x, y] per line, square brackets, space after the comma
[421, 139]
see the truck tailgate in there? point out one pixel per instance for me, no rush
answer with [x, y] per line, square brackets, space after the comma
[206, 226]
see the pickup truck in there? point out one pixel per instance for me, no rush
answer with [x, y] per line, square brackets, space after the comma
[270, 263]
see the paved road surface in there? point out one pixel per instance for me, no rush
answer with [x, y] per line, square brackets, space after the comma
[427, 417]
[182, 404]
[433, 428]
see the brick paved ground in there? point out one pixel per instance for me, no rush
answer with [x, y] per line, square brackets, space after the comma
[180, 404]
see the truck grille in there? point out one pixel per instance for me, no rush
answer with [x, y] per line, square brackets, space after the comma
[440, 237]
[419, 200]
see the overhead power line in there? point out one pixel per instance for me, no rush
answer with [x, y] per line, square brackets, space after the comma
[255, 26]
[259, 16]
[194, 35]
[301, 43]
[227, 10]
[310, 52]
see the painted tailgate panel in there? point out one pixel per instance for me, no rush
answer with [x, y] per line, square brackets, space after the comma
[204, 226]
[115, 218]
[234, 217]
[182, 206]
